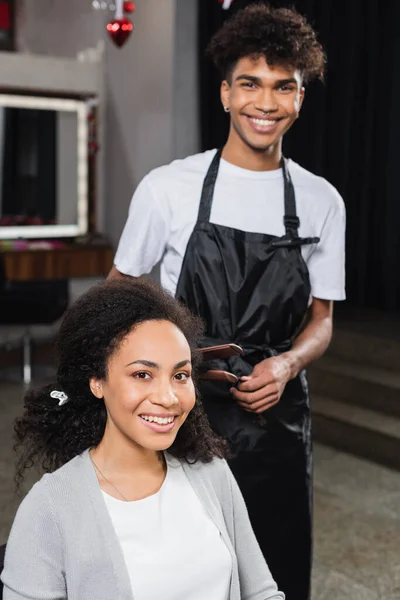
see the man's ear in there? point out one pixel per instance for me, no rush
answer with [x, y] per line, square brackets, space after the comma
[302, 94]
[96, 387]
[225, 95]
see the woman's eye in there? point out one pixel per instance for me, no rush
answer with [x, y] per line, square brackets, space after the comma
[182, 376]
[141, 375]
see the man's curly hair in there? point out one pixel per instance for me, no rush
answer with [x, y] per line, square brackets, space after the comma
[281, 35]
[49, 435]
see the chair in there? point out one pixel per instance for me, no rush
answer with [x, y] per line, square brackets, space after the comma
[28, 303]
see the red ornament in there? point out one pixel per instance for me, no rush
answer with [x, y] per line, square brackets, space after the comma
[119, 30]
[129, 7]
[5, 16]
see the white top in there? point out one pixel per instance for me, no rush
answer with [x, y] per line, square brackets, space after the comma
[164, 209]
[172, 548]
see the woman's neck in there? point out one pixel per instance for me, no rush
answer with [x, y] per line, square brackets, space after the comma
[119, 455]
[128, 475]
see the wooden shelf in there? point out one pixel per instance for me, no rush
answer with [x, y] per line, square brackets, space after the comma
[71, 261]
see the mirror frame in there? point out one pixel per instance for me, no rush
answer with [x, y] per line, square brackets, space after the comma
[66, 105]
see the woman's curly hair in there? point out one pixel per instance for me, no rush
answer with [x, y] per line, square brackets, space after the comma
[49, 435]
[281, 35]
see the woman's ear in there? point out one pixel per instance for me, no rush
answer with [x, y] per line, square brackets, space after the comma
[96, 387]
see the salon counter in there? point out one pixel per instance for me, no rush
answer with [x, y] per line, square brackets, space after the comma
[71, 260]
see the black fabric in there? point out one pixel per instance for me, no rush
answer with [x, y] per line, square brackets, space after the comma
[348, 131]
[255, 294]
[2, 554]
[32, 302]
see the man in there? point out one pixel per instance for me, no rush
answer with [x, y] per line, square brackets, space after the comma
[254, 244]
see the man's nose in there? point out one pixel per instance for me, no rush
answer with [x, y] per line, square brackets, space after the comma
[266, 101]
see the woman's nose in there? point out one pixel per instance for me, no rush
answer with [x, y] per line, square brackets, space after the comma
[166, 396]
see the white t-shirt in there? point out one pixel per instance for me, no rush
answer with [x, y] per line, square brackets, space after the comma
[164, 209]
[172, 548]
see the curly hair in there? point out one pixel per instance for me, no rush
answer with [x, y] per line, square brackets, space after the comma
[48, 435]
[281, 35]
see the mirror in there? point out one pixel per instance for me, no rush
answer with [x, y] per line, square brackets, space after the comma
[43, 167]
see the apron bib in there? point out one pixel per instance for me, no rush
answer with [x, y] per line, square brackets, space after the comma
[253, 290]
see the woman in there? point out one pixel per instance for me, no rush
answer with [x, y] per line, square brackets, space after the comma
[121, 518]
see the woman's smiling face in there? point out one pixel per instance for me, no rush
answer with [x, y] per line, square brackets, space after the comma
[148, 391]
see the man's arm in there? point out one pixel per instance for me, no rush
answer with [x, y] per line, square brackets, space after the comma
[314, 339]
[264, 387]
[146, 232]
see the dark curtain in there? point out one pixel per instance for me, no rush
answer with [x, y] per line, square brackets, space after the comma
[47, 163]
[29, 184]
[348, 131]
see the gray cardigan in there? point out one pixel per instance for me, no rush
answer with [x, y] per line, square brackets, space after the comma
[63, 545]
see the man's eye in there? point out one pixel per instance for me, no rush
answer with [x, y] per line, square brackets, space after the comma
[141, 375]
[248, 85]
[286, 88]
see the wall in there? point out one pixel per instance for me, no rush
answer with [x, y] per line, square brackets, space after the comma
[139, 81]
[57, 27]
[151, 112]
[186, 98]
[152, 100]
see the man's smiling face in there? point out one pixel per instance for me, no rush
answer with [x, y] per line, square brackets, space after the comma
[264, 101]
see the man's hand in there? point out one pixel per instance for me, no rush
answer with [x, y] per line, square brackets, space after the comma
[264, 387]
[115, 274]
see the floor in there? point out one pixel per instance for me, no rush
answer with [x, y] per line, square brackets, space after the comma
[357, 529]
[357, 517]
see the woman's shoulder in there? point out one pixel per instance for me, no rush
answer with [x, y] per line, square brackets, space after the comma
[215, 474]
[56, 495]
[59, 482]
[73, 467]
[211, 468]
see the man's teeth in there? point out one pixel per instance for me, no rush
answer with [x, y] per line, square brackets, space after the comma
[159, 420]
[263, 122]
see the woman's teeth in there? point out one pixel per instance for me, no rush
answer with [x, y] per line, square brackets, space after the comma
[159, 420]
[263, 122]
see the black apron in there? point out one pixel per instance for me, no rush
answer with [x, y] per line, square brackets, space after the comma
[253, 289]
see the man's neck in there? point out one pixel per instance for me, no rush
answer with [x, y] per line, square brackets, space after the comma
[240, 154]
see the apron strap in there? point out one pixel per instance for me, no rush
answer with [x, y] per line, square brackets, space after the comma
[208, 189]
[290, 220]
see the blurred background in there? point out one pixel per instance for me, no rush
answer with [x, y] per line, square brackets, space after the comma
[83, 119]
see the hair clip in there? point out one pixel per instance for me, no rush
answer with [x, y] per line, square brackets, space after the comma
[60, 396]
